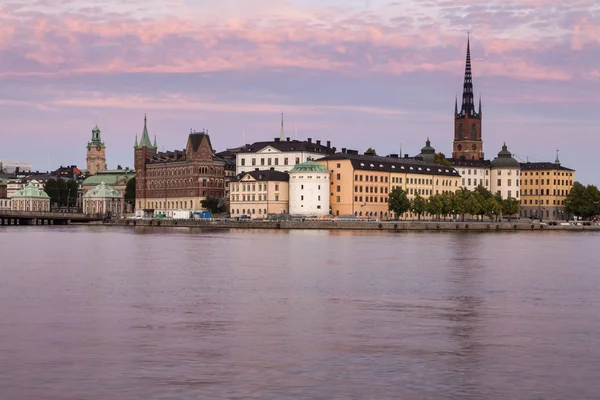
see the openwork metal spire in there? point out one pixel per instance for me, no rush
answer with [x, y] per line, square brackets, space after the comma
[468, 106]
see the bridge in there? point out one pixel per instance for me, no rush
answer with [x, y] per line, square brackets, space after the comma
[44, 218]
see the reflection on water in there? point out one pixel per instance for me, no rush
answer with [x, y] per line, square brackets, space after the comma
[100, 313]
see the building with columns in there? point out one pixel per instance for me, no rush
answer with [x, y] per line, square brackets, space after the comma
[103, 200]
[176, 180]
[30, 198]
[96, 153]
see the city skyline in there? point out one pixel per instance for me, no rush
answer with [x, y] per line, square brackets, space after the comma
[370, 74]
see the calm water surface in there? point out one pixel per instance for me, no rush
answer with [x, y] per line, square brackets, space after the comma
[111, 313]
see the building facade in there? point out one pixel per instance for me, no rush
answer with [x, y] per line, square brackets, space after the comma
[96, 153]
[360, 184]
[309, 190]
[544, 188]
[103, 200]
[468, 142]
[259, 194]
[505, 175]
[30, 198]
[176, 180]
[11, 167]
[280, 155]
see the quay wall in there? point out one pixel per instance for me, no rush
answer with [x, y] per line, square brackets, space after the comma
[360, 225]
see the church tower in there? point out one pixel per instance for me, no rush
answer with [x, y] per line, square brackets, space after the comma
[467, 143]
[142, 152]
[96, 153]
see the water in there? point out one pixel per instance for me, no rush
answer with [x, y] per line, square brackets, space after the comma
[119, 313]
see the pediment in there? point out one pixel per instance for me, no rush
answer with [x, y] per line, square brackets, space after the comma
[268, 150]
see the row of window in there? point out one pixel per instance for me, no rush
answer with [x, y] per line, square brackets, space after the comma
[368, 189]
[555, 192]
[186, 171]
[174, 205]
[249, 211]
[541, 202]
[562, 182]
[269, 161]
[253, 197]
[180, 183]
[251, 187]
[368, 178]
[548, 173]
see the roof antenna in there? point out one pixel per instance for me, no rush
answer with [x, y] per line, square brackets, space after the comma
[296, 133]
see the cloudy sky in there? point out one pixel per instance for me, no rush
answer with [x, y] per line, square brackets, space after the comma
[361, 73]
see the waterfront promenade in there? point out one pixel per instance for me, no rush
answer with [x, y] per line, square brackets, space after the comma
[517, 225]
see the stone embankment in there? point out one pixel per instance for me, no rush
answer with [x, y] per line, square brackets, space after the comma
[362, 225]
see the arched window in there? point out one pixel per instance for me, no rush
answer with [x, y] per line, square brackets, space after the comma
[461, 134]
[473, 132]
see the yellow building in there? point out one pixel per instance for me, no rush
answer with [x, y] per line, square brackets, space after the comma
[360, 184]
[544, 187]
[259, 194]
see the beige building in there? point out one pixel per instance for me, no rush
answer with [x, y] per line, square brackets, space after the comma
[259, 194]
[360, 184]
[30, 198]
[544, 187]
[103, 200]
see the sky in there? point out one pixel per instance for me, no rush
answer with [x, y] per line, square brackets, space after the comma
[361, 73]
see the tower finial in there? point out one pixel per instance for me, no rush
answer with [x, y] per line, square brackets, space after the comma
[479, 112]
[281, 136]
[456, 104]
[155, 141]
[557, 161]
[136, 142]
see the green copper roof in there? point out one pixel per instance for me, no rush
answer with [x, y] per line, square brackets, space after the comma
[96, 140]
[309, 166]
[145, 142]
[428, 149]
[102, 191]
[505, 159]
[30, 191]
[110, 177]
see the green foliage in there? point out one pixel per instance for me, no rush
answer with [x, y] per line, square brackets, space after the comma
[58, 190]
[51, 190]
[213, 204]
[398, 203]
[583, 201]
[510, 207]
[72, 189]
[130, 192]
[493, 207]
[418, 205]
[370, 152]
[447, 199]
[440, 158]
[435, 205]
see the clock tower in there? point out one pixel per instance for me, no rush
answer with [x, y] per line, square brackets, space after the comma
[467, 144]
[96, 153]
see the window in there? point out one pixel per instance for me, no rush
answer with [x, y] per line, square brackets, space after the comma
[277, 161]
[338, 199]
[499, 182]
[262, 161]
[338, 188]
[243, 162]
[509, 182]
[276, 197]
[276, 186]
[301, 187]
[297, 160]
[301, 197]
[285, 161]
[339, 165]
[338, 177]
[269, 161]
[254, 161]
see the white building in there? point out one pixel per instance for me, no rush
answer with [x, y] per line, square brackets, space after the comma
[5, 204]
[31, 199]
[309, 189]
[103, 200]
[11, 166]
[506, 175]
[280, 155]
[473, 173]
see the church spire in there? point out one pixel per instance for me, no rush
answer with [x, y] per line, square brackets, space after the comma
[479, 112]
[455, 104]
[145, 142]
[468, 106]
[281, 136]
[557, 161]
[136, 142]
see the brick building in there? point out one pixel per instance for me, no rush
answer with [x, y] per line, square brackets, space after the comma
[176, 180]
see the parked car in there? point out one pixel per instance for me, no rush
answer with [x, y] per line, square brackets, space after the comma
[244, 217]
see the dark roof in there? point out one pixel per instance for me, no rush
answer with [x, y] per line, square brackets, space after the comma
[229, 162]
[264, 175]
[196, 138]
[470, 163]
[290, 145]
[537, 166]
[167, 156]
[392, 164]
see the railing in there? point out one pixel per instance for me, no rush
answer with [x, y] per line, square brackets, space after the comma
[46, 214]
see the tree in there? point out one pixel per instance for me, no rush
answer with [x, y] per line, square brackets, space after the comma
[447, 199]
[398, 203]
[440, 158]
[460, 202]
[418, 205]
[72, 189]
[51, 190]
[370, 152]
[510, 207]
[213, 204]
[63, 192]
[482, 195]
[435, 205]
[493, 208]
[473, 204]
[583, 201]
[130, 192]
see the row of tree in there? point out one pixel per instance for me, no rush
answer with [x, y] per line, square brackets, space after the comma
[583, 201]
[479, 203]
[62, 192]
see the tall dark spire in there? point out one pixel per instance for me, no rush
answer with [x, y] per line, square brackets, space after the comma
[468, 106]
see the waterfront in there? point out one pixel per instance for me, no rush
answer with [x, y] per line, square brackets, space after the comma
[93, 312]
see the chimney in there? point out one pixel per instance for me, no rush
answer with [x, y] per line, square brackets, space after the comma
[309, 140]
[393, 155]
[328, 143]
[343, 150]
[287, 139]
[277, 140]
[334, 149]
[406, 156]
[319, 142]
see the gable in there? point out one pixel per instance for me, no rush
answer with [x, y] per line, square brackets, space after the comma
[268, 150]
